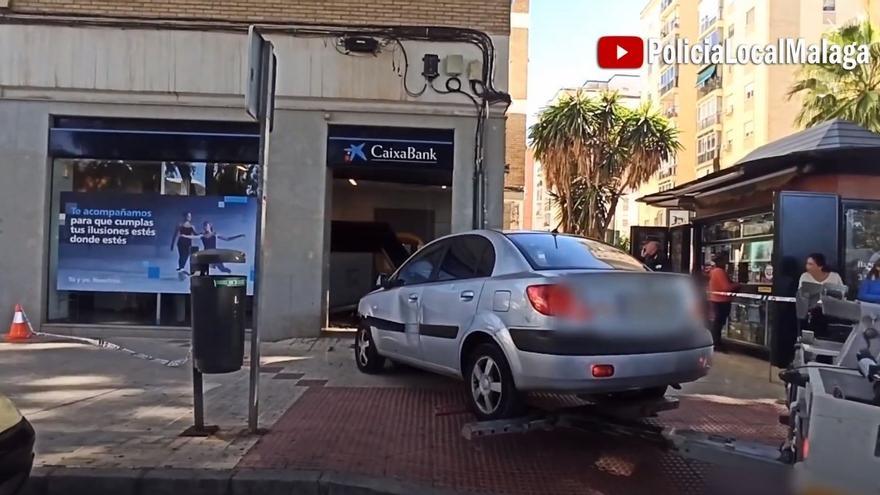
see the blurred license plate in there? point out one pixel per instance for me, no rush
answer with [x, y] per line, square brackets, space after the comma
[644, 307]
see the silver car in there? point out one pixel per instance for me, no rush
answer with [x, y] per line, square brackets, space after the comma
[515, 312]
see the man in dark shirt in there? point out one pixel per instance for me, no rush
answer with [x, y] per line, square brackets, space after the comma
[652, 256]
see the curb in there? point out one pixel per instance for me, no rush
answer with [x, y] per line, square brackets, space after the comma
[171, 481]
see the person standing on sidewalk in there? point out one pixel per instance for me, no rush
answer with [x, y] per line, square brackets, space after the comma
[720, 282]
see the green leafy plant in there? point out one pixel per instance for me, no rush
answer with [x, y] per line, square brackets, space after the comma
[592, 150]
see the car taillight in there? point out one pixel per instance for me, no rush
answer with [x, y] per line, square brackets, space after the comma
[555, 300]
[806, 450]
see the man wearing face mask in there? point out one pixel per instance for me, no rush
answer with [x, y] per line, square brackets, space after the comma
[652, 256]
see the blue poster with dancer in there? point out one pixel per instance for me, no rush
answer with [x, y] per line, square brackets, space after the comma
[142, 243]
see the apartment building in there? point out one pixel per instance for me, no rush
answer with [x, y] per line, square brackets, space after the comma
[544, 214]
[669, 88]
[516, 132]
[755, 108]
[724, 111]
[134, 112]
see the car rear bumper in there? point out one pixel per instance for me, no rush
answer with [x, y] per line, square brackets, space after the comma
[565, 373]
[16, 456]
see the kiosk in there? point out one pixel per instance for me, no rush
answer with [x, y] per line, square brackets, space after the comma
[817, 190]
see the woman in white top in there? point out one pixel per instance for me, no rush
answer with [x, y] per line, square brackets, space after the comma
[818, 272]
[825, 327]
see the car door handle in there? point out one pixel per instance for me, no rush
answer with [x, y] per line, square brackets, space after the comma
[467, 295]
[413, 298]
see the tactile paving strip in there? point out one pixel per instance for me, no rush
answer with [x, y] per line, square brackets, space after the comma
[411, 434]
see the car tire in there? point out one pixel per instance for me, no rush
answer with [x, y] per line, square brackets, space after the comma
[366, 356]
[489, 384]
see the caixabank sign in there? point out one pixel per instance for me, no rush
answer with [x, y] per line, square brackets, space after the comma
[407, 152]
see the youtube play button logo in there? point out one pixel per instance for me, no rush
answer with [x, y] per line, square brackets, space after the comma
[621, 52]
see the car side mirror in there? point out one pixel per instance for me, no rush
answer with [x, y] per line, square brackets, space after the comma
[384, 281]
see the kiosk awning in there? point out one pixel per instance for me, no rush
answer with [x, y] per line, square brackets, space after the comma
[838, 143]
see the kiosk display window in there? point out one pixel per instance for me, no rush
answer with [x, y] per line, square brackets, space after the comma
[748, 244]
[861, 242]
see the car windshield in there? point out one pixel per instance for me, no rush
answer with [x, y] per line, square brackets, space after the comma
[564, 252]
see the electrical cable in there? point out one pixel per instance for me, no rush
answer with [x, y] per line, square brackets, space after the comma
[413, 94]
[449, 85]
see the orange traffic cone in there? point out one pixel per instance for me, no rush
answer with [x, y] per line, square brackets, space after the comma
[19, 330]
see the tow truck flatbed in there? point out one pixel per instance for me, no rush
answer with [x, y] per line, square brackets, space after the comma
[626, 419]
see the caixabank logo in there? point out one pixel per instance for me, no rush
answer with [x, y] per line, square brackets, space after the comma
[355, 152]
[386, 148]
[389, 153]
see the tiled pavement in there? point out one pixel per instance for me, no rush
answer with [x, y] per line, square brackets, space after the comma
[99, 408]
[415, 434]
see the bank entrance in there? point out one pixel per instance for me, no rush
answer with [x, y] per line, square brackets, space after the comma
[391, 194]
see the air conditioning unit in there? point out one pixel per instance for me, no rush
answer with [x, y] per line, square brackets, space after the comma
[729, 110]
[728, 146]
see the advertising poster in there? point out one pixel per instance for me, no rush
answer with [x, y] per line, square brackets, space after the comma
[862, 245]
[142, 243]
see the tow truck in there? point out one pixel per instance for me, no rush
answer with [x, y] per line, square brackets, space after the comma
[833, 415]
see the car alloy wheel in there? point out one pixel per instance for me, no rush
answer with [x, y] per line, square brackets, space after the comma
[486, 385]
[366, 355]
[493, 393]
[363, 346]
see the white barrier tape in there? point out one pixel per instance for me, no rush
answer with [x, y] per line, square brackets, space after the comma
[758, 297]
[103, 344]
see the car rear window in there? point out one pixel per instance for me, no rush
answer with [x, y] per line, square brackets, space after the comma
[564, 252]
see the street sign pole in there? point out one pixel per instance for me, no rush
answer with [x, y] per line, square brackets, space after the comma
[260, 104]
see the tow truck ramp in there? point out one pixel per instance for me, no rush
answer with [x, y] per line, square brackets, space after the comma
[626, 419]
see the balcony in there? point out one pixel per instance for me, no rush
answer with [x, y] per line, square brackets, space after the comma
[707, 23]
[665, 4]
[669, 28]
[666, 172]
[709, 85]
[671, 111]
[708, 157]
[665, 88]
[709, 121]
[711, 15]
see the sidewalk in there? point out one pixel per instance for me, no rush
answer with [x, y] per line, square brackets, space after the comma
[102, 409]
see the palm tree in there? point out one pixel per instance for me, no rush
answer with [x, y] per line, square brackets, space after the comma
[595, 149]
[830, 91]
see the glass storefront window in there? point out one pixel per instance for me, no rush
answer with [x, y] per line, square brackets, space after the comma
[862, 242]
[748, 244]
[110, 180]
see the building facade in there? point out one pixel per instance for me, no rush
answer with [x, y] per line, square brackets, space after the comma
[128, 148]
[515, 154]
[666, 87]
[723, 112]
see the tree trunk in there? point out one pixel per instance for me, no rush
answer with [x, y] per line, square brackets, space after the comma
[568, 214]
[609, 214]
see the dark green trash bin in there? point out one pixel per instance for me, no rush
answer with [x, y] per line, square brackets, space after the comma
[219, 304]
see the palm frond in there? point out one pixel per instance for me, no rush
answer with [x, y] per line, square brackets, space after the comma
[830, 91]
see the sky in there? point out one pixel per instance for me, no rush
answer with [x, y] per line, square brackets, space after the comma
[562, 42]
